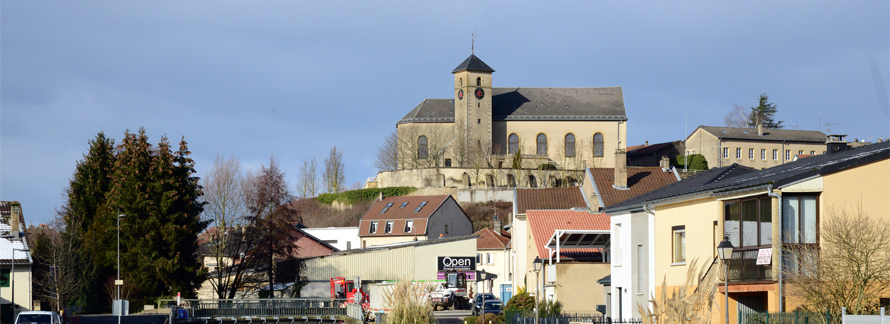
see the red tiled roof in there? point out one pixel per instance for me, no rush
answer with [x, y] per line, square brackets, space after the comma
[640, 180]
[550, 198]
[631, 148]
[488, 239]
[544, 223]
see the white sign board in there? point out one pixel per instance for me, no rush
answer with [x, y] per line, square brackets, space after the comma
[764, 256]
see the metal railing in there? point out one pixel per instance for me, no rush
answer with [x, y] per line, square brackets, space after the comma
[795, 317]
[565, 318]
[217, 308]
[743, 267]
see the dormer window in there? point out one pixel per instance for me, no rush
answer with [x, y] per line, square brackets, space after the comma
[479, 82]
[409, 226]
[388, 228]
[373, 228]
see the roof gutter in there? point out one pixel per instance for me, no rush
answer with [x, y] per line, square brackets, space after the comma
[769, 189]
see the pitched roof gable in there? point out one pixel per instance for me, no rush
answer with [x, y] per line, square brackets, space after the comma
[473, 63]
[640, 180]
[489, 240]
[544, 223]
[401, 210]
[550, 198]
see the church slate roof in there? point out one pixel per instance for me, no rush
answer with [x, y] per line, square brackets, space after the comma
[533, 104]
[473, 63]
[768, 134]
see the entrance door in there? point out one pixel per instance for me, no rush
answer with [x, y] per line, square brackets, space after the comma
[751, 304]
[506, 292]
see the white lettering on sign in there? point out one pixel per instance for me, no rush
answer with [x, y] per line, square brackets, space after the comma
[449, 262]
[764, 256]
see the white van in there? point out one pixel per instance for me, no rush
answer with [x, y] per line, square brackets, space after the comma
[38, 317]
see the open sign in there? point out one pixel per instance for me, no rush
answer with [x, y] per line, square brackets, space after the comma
[451, 263]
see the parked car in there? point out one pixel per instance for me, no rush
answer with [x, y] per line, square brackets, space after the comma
[492, 307]
[38, 317]
[478, 299]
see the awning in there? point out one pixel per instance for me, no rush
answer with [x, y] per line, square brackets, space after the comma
[578, 239]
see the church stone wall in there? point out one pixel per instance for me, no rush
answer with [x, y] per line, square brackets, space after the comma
[614, 137]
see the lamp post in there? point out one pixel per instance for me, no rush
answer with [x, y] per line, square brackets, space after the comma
[724, 251]
[537, 268]
[118, 282]
[12, 280]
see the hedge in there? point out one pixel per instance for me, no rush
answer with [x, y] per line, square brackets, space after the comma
[353, 196]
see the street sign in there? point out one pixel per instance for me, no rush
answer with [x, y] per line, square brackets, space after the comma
[764, 256]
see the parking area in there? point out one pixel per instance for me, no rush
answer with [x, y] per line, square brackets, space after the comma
[452, 316]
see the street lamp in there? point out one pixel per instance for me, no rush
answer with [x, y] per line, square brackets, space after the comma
[724, 251]
[537, 268]
[118, 282]
[15, 307]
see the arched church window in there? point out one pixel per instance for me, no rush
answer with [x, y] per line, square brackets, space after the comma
[570, 145]
[542, 144]
[422, 148]
[598, 145]
[479, 82]
[513, 143]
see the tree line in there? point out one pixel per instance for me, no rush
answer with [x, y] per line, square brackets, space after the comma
[169, 218]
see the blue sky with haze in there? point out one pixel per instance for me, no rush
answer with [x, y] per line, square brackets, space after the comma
[295, 78]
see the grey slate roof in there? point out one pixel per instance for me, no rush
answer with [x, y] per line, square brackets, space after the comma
[473, 63]
[768, 134]
[515, 104]
[722, 180]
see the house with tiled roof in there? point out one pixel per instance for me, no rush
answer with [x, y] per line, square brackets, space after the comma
[608, 186]
[758, 148]
[444, 141]
[651, 155]
[535, 199]
[493, 256]
[15, 261]
[407, 218]
[762, 213]
[573, 246]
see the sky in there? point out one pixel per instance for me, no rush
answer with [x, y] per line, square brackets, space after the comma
[293, 79]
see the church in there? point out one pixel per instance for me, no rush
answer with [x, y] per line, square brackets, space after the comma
[493, 137]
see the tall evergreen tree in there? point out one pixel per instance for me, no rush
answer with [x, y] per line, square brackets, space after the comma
[85, 198]
[764, 114]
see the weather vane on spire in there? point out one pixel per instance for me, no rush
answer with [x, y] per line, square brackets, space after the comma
[473, 43]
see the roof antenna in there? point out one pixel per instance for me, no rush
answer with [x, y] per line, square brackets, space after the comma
[473, 43]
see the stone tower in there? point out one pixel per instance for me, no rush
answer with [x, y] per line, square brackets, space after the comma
[472, 103]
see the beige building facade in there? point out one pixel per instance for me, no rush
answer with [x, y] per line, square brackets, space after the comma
[754, 210]
[483, 133]
[751, 147]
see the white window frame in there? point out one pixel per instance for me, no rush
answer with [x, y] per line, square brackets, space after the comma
[373, 228]
[763, 154]
[738, 153]
[674, 258]
[787, 155]
[409, 226]
[388, 227]
[750, 154]
[725, 152]
[775, 154]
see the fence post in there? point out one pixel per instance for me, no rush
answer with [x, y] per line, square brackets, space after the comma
[843, 314]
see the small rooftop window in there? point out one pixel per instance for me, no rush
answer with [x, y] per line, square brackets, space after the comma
[420, 207]
[404, 204]
[386, 208]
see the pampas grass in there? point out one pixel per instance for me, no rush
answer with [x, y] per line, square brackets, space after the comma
[692, 302]
[409, 303]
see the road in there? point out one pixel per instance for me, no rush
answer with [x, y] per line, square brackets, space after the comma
[452, 316]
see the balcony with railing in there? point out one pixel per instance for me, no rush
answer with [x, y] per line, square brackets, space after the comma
[743, 267]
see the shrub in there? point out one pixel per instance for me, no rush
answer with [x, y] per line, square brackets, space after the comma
[353, 196]
[549, 308]
[470, 319]
[696, 162]
[521, 302]
[494, 319]
[692, 302]
[546, 166]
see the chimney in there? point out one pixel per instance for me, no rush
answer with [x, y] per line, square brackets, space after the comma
[759, 129]
[496, 223]
[620, 169]
[14, 220]
[835, 143]
[380, 197]
[647, 143]
[665, 163]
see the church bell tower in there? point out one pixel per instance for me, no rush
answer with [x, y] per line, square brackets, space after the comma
[472, 103]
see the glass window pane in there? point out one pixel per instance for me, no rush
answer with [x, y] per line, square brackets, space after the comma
[790, 226]
[598, 148]
[766, 221]
[749, 223]
[513, 143]
[731, 222]
[570, 145]
[808, 218]
[542, 145]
